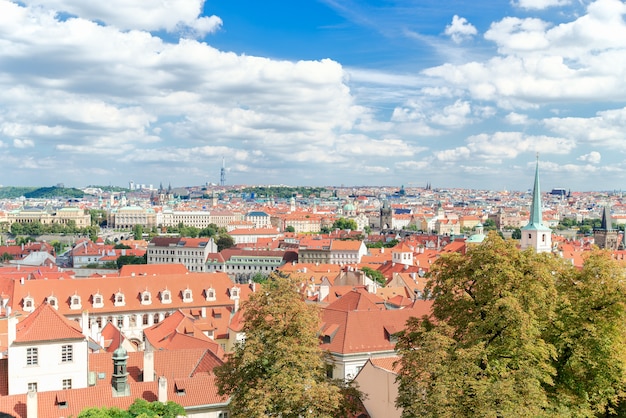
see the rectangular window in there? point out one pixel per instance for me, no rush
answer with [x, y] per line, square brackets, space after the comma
[67, 383]
[67, 353]
[32, 387]
[32, 356]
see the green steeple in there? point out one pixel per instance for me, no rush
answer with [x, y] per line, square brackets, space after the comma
[536, 216]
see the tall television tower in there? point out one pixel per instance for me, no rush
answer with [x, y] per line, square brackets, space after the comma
[223, 174]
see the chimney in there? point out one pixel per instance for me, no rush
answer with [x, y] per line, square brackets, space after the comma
[162, 395]
[148, 366]
[236, 307]
[203, 312]
[85, 323]
[31, 404]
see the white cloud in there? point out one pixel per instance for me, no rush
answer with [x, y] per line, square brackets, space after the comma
[593, 157]
[516, 118]
[460, 29]
[23, 143]
[607, 128]
[540, 4]
[150, 15]
[453, 115]
[456, 154]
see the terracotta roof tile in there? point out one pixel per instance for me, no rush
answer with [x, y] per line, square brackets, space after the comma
[37, 325]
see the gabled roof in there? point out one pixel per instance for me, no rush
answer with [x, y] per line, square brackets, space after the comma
[368, 331]
[37, 326]
[178, 331]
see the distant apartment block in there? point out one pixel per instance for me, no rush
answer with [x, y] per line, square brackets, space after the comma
[241, 265]
[191, 252]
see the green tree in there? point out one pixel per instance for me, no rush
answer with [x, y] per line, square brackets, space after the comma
[138, 231]
[343, 223]
[290, 228]
[514, 333]
[489, 225]
[224, 241]
[590, 338]
[17, 228]
[375, 275]
[279, 370]
[140, 408]
[158, 409]
[517, 233]
[6, 257]
[129, 259]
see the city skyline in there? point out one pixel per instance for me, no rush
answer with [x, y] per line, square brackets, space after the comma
[314, 93]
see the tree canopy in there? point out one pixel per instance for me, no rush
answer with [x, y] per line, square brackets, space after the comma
[514, 333]
[279, 369]
[138, 409]
[343, 223]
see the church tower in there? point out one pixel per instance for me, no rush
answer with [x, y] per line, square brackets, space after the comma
[535, 234]
[606, 237]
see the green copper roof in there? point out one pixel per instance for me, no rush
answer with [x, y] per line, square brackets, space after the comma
[536, 216]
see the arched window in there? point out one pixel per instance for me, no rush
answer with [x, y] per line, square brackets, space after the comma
[75, 302]
[29, 304]
[98, 300]
[187, 295]
[166, 296]
[53, 301]
[119, 299]
[146, 298]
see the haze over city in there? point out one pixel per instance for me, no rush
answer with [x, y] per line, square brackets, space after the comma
[455, 94]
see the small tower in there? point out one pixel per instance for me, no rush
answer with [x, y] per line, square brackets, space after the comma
[386, 216]
[535, 234]
[606, 237]
[119, 378]
[223, 174]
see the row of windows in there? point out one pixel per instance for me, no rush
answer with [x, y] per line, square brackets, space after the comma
[119, 299]
[65, 384]
[32, 355]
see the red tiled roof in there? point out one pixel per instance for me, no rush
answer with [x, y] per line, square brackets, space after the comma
[364, 330]
[38, 324]
[152, 269]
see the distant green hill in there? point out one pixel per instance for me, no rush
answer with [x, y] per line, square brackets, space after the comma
[40, 192]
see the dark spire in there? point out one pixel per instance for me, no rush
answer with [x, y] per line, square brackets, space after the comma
[607, 221]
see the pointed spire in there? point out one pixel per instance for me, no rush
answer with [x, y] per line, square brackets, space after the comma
[607, 221]
[536, 216]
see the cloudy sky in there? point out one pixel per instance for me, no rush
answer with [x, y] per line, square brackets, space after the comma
[314, 92]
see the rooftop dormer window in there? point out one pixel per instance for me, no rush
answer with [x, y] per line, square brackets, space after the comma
[75, 302]
[29, 304]
[119, 299]
[187, 295]
[166, 296]
[53, 301]
[210, 294]
[98, 301]
[234, 293]
[146, 298]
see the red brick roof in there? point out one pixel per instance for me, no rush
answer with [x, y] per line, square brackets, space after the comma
[37, 326]
[366, 330]
[190, 368]
[131, 287]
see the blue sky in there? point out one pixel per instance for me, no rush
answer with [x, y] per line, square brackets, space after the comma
[328, 92]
